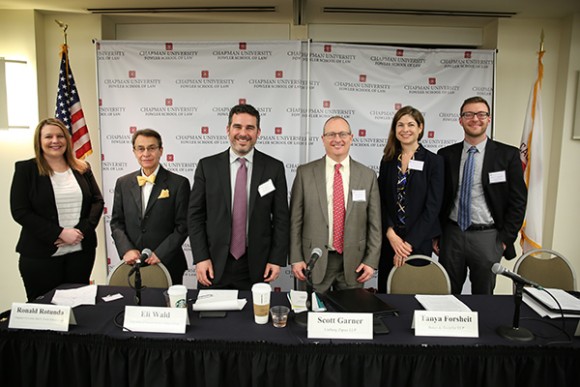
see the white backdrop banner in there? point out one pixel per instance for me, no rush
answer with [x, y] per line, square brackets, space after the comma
[185, 90]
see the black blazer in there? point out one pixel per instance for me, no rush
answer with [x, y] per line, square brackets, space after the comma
[424, 197]
[33, 206]
[163, 228]
[505, 200]
[210, 214]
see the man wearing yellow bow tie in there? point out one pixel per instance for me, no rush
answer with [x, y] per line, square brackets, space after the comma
[150, 209]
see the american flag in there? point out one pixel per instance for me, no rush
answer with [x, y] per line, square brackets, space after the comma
[69, 110]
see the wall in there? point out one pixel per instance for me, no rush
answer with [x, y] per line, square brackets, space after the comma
[36, 37]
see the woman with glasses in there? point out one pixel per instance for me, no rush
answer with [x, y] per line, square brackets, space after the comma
[56, 200]
[411, 190]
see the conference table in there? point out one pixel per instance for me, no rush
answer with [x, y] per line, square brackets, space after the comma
[235, 351]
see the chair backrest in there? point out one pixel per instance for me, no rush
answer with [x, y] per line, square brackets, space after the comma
[547, 268]
[429, 278]
[152, 276]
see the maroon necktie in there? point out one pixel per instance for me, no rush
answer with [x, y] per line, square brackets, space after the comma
[238, 242]
[338, 211]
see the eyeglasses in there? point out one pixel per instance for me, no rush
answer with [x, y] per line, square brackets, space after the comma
[342, 135]
[470, 115]
[142, 149]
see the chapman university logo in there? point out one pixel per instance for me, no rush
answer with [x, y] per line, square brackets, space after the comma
[280, 82]
[168, 110]
[242, 53]
[432, 88]
[467, 62]
[205, 82]
[111, 111]
[132, 82]
[167, 54]
[362, 86]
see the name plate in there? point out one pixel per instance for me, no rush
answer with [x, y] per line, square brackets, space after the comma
[340, 326]
[155, 319]
[45, 317]
[446, 324]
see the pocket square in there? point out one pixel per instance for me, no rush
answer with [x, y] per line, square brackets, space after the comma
[164, 194]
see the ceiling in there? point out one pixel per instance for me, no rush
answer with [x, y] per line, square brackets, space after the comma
[456, 12]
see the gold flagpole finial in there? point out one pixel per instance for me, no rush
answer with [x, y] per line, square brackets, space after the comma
[542, 41]
[64, 27]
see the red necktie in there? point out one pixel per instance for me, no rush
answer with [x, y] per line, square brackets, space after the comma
[238, 242]
[338, 211]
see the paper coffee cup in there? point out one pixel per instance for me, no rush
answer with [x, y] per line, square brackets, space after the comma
[261, 299]
[177, 296]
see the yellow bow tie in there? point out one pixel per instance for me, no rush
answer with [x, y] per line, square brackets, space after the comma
[144, 179]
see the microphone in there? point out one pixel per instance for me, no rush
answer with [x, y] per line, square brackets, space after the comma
[316, 253]
[499, 269]
[145, 254]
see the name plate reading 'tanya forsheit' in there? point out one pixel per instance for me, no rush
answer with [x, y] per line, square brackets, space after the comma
[446, 324]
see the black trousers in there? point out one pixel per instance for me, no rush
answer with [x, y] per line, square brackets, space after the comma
[236, 275]
[41, 275]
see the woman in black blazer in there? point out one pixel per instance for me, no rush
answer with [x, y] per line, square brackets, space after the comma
[411, 189]
[56, 200]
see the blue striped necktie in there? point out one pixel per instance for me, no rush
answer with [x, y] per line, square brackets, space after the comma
[464, 212]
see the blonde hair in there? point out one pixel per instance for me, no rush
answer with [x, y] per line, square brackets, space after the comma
[44, 168]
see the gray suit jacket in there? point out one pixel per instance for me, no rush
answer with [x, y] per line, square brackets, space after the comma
[163, 227]
[309, 226]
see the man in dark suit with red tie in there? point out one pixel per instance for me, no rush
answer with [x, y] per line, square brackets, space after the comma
[238, 210]
[150, 209]
[484, 202]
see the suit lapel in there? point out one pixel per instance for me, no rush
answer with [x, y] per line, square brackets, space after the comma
[223, 172]
[319, 172]
[354, 183]
[455, 162]
[255, 179]
[487, 162]
[136, 192]
[160, 183]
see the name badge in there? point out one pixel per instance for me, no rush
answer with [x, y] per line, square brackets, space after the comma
[43, 317]
[359, 195]
[446, 324]
[155, 319]
[497, 177]
[266, 188]
[416, 165]
[340, 326]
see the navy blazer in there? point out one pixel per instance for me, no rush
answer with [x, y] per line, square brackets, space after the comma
[424, 197]
[163, 227]
[506, 200]
[33, 206]
[210, 214]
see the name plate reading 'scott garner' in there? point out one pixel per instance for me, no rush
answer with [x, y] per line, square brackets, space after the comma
[446, 324]
[328, 325]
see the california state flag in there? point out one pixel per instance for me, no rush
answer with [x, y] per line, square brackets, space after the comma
[531, 154]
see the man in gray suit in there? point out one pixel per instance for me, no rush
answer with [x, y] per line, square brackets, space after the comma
[348, 229]
[150, 209]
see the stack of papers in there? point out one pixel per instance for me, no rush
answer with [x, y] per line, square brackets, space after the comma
[218, 299]
[444, 303]
[544, 305]
[85, 295]
[298, 298]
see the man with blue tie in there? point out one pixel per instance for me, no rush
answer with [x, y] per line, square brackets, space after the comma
[238, 210]
[150, 209]
[484, 202]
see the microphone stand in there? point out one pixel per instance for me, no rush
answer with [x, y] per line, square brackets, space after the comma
[514, 332]
[302, 318]
[138, 285]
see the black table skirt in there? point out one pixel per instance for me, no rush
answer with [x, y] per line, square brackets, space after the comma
[110, 357]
